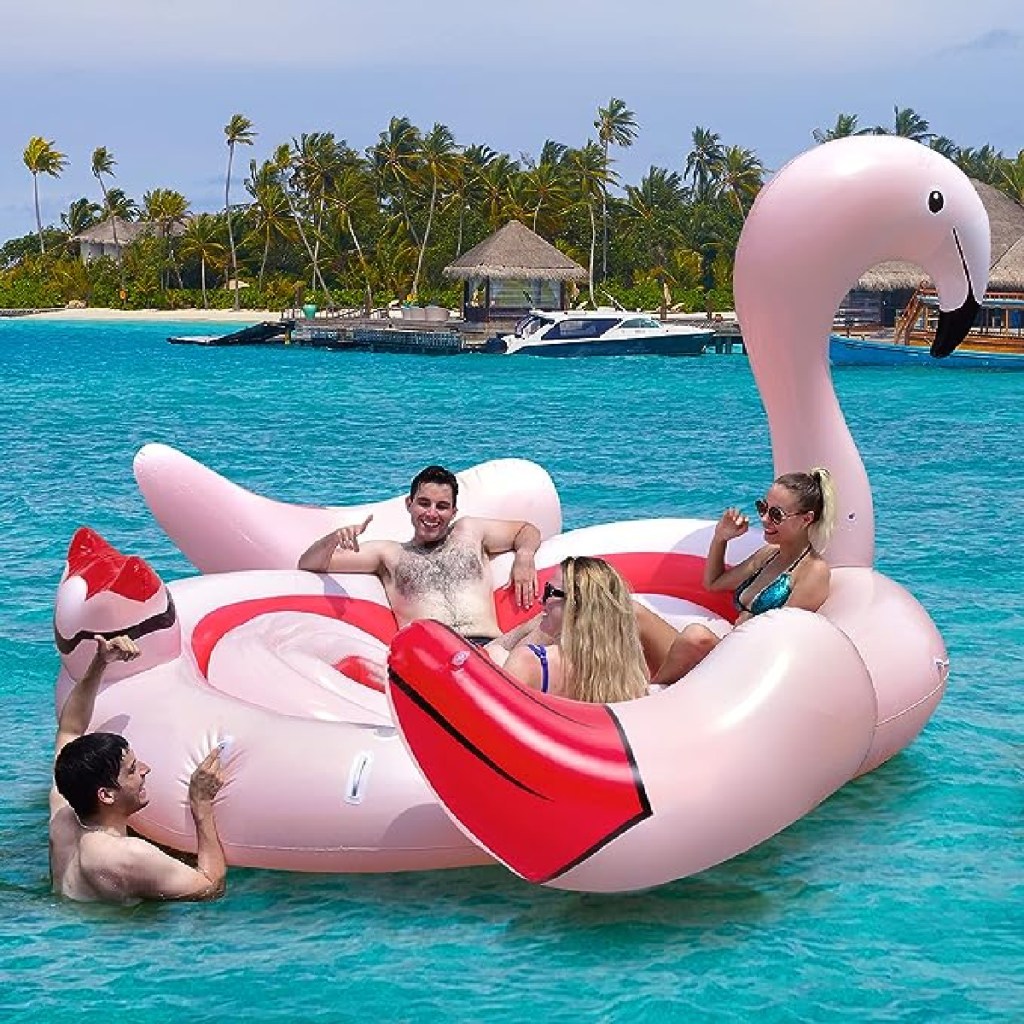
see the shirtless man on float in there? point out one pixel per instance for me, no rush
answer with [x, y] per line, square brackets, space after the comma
[442, 573]
[99, 783]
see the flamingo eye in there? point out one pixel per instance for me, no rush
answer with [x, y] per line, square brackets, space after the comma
[935, 202]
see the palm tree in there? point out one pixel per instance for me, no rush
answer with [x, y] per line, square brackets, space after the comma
[395, 158]
[553, 152]
[438, 154]
[711, 232]
[1011, 181]
[591, 176]
[616, 125]
[353, 197]
[282, 164]
[907, 124]
[41, 158]
[704, 161]
[318, 161]
[121, 205]
[396, 255]
[741, 177]
[238, 132]
[467, 182]
[167, 209]
[494, 182]
[845, 126]
[202, 241]
[103, 163]
[946, 147]
[984, 164]
[269, 209]
[654, 213]
[81, 215]
[544, 185]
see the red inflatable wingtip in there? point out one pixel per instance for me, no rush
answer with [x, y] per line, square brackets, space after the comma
[540, 782]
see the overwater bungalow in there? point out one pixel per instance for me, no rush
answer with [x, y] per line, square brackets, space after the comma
[898, 299]
[510, 273]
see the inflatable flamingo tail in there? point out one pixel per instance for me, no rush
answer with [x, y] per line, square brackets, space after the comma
[222, 527]
[543, 829]
[626, 796]
[106, 593]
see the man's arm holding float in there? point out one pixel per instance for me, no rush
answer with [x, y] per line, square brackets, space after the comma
[132, 868]
[340, 551]
[522, 538]
[77, 711]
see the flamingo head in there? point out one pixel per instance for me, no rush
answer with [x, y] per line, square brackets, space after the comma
[838, 209]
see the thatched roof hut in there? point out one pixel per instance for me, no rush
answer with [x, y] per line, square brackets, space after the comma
[515, 253]
[99, 241]
[103, 232]
[1007, 273]
[1006, 220]
[512, 271]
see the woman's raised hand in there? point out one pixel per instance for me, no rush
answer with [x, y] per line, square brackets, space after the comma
[733, 524]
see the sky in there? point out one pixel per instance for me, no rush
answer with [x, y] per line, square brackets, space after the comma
[155, 81]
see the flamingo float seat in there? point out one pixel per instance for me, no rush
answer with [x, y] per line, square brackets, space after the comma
[353, 746]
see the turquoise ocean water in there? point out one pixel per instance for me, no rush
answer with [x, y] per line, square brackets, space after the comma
[899, 899]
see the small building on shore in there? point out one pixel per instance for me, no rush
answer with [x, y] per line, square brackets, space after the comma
[98, 241]
[511, 272]
[885, 291]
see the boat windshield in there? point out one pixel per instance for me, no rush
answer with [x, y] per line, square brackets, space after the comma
[531, 324]
[582, 327]
[642, 323]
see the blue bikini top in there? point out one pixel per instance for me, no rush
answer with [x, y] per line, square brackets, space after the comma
[775, 595]
[542, 657]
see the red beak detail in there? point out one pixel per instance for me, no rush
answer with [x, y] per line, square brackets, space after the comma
[540, 782]
[105, 568]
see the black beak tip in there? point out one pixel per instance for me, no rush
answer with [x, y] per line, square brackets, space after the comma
[953, 327]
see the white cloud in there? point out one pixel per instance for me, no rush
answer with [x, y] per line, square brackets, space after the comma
[536, 37]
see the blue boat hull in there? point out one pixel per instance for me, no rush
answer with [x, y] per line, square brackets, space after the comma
[673, 345]
[845, 351]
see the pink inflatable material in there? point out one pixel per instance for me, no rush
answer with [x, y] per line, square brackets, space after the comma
[792, 705]
[220, 527]
[280, 665]
[331, 773]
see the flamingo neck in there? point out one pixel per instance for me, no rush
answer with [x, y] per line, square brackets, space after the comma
[788, 349]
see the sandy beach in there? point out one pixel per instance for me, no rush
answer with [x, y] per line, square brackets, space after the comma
[221, 316]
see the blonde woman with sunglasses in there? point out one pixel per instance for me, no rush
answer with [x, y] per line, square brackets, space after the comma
[797, 515]
[588, 643]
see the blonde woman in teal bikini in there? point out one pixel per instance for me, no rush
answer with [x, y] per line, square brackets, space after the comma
[797, 515]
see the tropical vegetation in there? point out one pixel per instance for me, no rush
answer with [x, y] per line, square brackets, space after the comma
[321, 221]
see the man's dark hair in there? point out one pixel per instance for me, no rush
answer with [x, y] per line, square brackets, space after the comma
[435, 475]
[87, 764]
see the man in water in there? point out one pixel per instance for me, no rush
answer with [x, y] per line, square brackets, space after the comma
[99, 784]
[442, 573]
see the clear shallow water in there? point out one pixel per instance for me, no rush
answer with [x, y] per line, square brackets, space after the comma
[900, 899]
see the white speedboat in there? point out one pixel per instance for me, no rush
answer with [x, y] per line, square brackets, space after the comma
[603, 332]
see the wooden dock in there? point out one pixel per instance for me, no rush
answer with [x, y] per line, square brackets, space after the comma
[29, 312]
[380, 333]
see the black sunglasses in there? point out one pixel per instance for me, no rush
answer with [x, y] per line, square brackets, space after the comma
[773, 512]
[550, 590]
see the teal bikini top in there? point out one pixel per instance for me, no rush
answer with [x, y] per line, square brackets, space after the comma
[775, 595]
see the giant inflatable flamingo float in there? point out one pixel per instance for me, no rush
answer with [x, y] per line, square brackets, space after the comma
[792, 705]
[456, 763]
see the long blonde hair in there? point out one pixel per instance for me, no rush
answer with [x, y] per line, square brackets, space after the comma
[816, 493]
[602, 659]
